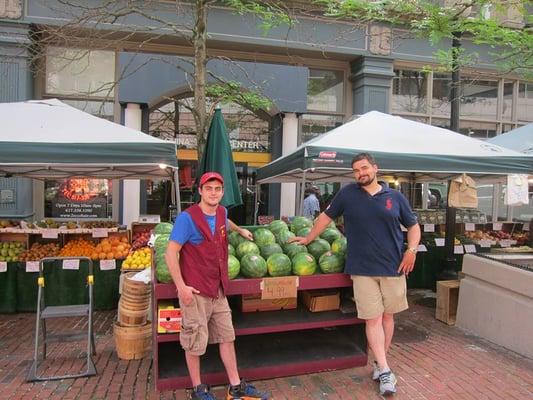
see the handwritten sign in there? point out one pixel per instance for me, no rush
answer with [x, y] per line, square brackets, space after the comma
[71, 264]
[470, 227]
[458, 249]
[100, 232]
[107, 265]
[3, 266]
[50, 233]
[279, 288]
[497, 226]
[470, 248]
[32, 266]
[439, 242]
[422, 248]
[429, 227]
[485, 243]
[505, 243]
[525, 227]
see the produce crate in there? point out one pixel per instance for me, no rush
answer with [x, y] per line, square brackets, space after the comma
[253, 302]
[447, 300]
[321, 299]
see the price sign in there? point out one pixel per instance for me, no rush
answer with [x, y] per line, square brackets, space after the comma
[32, 266]
[470, 227]
[497, 226]
[485, 243]
[422, 248]
[100, 232]
[3, 266]
[439, 242]
[470, 248]
[279, 288]
[50, 233]
[525, 227]
[458, 249]
[505, 243]
[71, 264]
[429, 227]
[107, 265]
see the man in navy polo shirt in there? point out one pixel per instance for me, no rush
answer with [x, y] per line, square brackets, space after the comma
[376, 259]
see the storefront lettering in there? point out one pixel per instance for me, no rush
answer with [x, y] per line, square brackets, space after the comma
[189, 142]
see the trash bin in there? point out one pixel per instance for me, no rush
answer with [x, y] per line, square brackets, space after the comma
[8, 289]
[106, 283]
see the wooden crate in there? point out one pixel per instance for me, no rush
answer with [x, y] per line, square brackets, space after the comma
[447, 299]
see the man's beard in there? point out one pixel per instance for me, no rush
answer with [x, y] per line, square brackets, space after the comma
[368, 182]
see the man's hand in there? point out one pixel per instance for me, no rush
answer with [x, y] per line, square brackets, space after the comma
[245, 233]
[408, 263]
[185, 294]
[299, 240]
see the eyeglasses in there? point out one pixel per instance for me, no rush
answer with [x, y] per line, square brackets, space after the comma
[210, 189]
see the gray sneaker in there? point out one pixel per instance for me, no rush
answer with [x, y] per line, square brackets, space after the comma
[387, 383]
[375, 372]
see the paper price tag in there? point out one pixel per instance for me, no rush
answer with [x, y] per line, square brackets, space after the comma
[470, 227]
[32, 266]
[100, 232]
[505, 243]
[422, 248]
[50, 233]
[3, 266]
[279, 288]
[71, 264]
[439, 242]
[470, 248]
[458, 249]
[525, 227]
[485, 243]
[107, 265]
[429, 227]
[497, 226]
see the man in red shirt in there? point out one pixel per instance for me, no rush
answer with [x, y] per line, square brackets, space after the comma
[197, 258]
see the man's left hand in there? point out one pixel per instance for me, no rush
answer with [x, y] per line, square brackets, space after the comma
[408, 263]
[245, 233]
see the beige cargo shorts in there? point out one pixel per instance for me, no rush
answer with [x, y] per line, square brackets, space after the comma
[375, 295]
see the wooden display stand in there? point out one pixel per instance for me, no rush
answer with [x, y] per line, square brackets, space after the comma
[269, 344]
[447, 299]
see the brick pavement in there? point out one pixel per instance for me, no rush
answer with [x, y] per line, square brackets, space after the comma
[431, 360]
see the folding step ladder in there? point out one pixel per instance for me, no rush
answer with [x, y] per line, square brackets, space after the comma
[45, 312]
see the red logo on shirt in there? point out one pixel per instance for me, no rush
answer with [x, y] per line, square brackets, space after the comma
[388, 204]
[223, 231]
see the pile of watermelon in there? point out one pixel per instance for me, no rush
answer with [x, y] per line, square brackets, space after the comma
[269, 254]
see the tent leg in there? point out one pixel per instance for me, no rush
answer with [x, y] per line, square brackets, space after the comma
[177, 189]
[302, 195]
[256, 203]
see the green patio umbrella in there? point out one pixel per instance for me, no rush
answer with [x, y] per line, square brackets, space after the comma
[218, 158]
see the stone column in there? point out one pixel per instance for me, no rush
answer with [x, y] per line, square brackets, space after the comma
[371, 83]
[131, 190]
[289, 143]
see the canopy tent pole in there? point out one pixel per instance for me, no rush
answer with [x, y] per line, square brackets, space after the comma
[257, 200]
[302, 193]
[177, 190]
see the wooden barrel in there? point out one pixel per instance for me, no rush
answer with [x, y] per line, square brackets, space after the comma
[132, 342]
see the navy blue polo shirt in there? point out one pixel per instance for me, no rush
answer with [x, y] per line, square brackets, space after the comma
[372, 229]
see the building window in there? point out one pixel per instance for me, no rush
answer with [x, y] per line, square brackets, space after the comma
[314, 125]
[325, 91]
[479, 98]
[80, 72]
[525, 102]
[409, 91]
[507, 103]
[440, 103]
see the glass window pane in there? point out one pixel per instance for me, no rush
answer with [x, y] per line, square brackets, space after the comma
[409, 91]
[78, 198]
[478, 130]
[88, 73]
[440, 103]
[502, 207]
[479, 98]
[507, 111]
[485, 197]
[507, 127]
[524, 213]
[98, 108]
[315, 125]
[525, 102]
[325, 91]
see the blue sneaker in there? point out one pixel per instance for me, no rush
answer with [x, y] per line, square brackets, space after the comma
[245, 391]
[202, 392]
[387, 383]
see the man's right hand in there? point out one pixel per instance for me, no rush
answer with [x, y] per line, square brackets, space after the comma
[185, 294]
[299, 240]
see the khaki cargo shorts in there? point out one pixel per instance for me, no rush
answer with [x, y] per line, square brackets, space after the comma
[375, 295]
[204, 321]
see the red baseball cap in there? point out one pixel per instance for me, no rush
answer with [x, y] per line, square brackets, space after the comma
[209, 176]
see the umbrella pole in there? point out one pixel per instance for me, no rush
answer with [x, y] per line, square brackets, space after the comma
[302, 190]
[177, 190]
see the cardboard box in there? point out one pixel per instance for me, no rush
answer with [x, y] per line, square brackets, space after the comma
[169, 317]
[321, 300]
[447, 300]
[253, 302]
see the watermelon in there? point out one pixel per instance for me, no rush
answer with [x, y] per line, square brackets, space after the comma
[231, 249]
[331, 234]
[291, 249]
[234, 267]
[279, 264]
[253, 266]
[246, 247]
[162, 273]
[263, 236]
[339, 246]
[318, 247]
[164, 228]
[303, 232]
[268, 249]
[283, 236]
[303, 264]
[235, 239]
[331, 262]
[299, 223]
[160, 245]
[277, 226]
